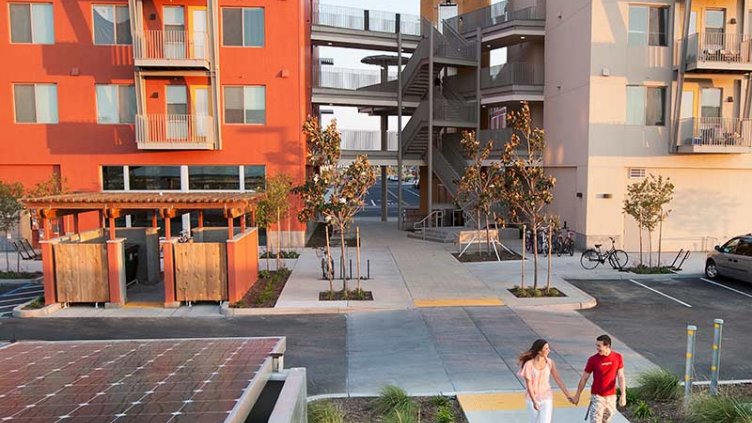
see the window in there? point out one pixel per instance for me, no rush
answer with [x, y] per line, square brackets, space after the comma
[154, 178]
[32, 23]
[646, 105]
[113, 178]
[711, 102]
[245, 105]
[213, 177]
[243, 27]
[647, 26]
[35, 103]
[255, 178]
[744, 248]
[116, 104]
[112, 25]
[730, 246]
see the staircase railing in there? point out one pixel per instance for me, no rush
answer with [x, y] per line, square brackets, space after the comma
[453, 110]
[414, 125]
[446, 173]
[412, 68]
[434, 217]
[458, 47]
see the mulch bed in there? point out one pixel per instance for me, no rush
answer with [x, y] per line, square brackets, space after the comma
[357, 410]
[318, 238]
[540, 293]
[19, 275]
[352, 295]
[645, 270]
[259, 296]
[671, 411]
[474, 257]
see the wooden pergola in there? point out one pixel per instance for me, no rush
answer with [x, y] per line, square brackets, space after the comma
[240, 250]
[165, 205]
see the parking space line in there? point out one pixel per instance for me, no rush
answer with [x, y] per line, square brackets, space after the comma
[661, 293]
[727, 287]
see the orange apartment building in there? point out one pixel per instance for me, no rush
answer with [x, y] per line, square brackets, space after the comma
[155, 95]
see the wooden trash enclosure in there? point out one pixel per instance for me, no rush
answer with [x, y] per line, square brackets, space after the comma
[81, 272]
[200, 271]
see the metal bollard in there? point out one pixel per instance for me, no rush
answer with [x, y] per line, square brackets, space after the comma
[368, 269]
[689, 365]
[715, 365]
[350, 269]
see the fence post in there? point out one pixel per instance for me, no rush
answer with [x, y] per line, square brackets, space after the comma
[715, 365]
[689, 365]
[397, 23]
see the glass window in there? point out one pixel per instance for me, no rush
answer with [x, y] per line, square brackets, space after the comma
[711, 102]
[245, 105]
[635, 105]
[32, 23]
[177, 100]
[214, 177]
[111, 25]
[116, 103]
[648, 26]
[35, 103]
[744, 248]
[730, 246]
[112, 178]
[255, 178]
[715, 20]
[154, 178]
[243, 27]
[646, 105]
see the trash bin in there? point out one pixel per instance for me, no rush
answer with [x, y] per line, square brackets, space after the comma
[131, 262]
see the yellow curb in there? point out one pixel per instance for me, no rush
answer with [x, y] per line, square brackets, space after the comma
[143, 304]
[459, 302]
[504, 401]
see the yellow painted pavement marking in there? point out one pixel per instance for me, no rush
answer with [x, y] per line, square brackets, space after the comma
[143, 304]
[504, 401]
[459, 302]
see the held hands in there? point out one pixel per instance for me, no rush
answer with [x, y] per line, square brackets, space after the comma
[574, 399]
[536, 405]
[622, 400]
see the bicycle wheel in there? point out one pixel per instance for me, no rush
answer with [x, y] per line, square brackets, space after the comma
[590, 259]
[570, 246]
[619, 259]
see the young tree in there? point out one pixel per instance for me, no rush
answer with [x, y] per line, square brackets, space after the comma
[10, 207]
[54, 185]
[477, 188]
[526, 189]
[335, 192]
[645, 201]
[272, 207]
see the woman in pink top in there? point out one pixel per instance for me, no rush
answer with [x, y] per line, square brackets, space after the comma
[536, 369]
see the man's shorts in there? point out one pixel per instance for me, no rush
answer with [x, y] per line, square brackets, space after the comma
[602, 409]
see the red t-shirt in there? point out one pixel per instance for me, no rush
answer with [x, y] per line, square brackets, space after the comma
[604, 369]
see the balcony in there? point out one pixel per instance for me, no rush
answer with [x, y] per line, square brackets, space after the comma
[175, 132]
[172, 49]
[502, 24]
[717, 53]
[715, 135]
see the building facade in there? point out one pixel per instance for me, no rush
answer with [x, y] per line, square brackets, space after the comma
[152, 95]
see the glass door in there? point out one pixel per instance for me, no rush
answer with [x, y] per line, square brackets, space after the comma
[177, 112]
[174, 32]
[200, 104]
[198, 30]
[715, 24]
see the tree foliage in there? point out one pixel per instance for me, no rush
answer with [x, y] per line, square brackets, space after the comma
[527, 190]
[10, 207]
[272, 207]
[645, 201]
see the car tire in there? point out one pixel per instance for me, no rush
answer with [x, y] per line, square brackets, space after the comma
[711, 270]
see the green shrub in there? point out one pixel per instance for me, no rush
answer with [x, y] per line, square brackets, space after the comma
[325, 412]
[240, 304]
[633, 395]
[445, 415]
[19, 275]
[406, 414]
[641, 409]
[658, 385]
[264, 274]
[36, 304]
[440, 401]
[391, 398]
[719, 409]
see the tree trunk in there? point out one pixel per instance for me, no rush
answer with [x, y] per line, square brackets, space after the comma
[480, 245]
[330, 263]
[357, 266]
[639, 228]
[342, 260]
[660, 238]
[279, 242]
[548, 275]
[522, 262]
[650, 248]
[488, 236]
[268, 249]
[535, 257]
[7, 254]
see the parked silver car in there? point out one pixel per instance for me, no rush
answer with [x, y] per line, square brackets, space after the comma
[732, 259]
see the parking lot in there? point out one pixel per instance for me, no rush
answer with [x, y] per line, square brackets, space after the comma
[651, 316]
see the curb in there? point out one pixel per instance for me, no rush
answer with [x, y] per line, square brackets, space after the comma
[45, 311]
[228, 311]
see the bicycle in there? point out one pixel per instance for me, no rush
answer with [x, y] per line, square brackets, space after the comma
[565, 245]
[591, 258]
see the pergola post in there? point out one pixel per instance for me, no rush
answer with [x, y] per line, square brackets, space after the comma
[75, 223]
[168, 227]
[154, 219]
[48, 269]
[200, 219]
[230, 228]
[242, 223]
[112, 228]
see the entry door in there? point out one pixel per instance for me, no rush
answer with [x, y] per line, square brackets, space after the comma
[201, 111]
[174, 32]
[197, 27]
[177, 112]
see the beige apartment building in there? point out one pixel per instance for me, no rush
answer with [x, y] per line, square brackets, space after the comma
[622, 88]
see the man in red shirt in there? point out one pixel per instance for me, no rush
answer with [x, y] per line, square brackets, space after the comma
[606, 366]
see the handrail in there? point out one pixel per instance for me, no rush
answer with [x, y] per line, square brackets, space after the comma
[422, 223]
[346, 78]
[734, 132]
[172, 45]
[365, 20]
[174, 129]
[717, 47]
[413, 65]
[413, 125]
[513, 73]
[496, 14]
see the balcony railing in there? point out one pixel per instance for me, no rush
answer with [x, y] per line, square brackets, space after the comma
[497, 13]
[366, 140]
[174, 131]
[717, 132]
[712, 48]
[172, 46]
[454, 111]
[347, 79]
[365, 20]
[512, 74]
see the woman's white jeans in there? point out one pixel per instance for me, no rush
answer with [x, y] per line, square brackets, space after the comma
[544, 413]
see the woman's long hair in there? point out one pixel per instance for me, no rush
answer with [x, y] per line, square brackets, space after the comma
[533, 352]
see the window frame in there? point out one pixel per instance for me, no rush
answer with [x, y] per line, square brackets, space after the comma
[36, 121]
[114, 24]
[31, 23]
[644, 111]
[646, 36]
[184, 178]
[117, 103]
[242, 26]
[244, 123]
